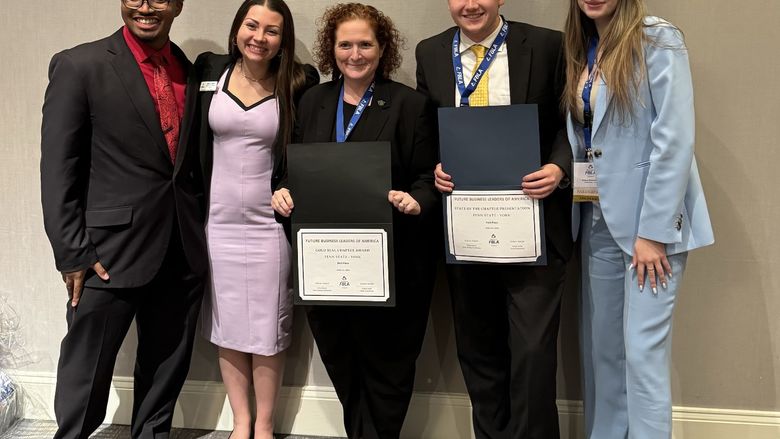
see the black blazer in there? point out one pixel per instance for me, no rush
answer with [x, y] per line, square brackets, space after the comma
[108, 188]
[536, 76]
[210, 67]
[399, 115]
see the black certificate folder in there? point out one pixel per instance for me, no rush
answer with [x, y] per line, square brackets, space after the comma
[490, 149]
[342, 229]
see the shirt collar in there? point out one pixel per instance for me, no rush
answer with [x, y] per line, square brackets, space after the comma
[466, 42]
[141, 51]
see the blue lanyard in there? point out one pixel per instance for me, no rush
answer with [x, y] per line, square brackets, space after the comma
[587, 114]
[490, 56]
[341, 134]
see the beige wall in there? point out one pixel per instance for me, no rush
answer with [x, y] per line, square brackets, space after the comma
[727, 330]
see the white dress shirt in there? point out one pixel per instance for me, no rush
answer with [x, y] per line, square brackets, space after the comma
[498, 80]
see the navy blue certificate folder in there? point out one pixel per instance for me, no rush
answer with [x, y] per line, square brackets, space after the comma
[490, 148]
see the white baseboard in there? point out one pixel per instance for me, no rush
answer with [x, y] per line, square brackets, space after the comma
[313, 410]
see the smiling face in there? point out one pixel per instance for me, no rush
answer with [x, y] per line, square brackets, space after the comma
[150, 26]
[476, 18]
[357, 50]
[600, 11]
[260, 35]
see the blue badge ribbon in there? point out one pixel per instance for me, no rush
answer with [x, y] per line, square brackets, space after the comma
[341, 133]
[587, 113]
[490, 56]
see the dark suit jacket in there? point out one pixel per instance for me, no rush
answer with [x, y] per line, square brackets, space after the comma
[536, 67]
[403, 117]
[108, 188]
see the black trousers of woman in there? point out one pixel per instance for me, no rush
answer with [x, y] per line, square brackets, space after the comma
[370, 352]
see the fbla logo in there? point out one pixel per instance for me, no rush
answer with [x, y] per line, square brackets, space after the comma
[344, 282]
[591, 171]
[493, 240]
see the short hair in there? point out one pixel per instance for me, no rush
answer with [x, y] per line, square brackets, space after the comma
[388, 37]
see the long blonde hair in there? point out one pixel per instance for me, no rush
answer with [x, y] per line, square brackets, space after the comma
[621, 59]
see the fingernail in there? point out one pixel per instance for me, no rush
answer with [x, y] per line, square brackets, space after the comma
[630, 267]
[655, 291]
[670, 275]
[664, 284]
[641, 288]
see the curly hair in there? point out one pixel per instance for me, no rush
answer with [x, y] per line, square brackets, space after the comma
[386, 34]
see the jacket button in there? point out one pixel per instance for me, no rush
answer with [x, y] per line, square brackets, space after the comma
[597, 153]
[678, 222]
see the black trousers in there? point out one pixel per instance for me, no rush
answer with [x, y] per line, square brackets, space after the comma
[370, 352]
[506, 330]
[166, 312]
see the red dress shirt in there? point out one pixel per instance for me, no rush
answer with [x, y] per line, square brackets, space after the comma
[141, 52]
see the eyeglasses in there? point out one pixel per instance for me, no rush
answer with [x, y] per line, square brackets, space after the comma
[157, 5]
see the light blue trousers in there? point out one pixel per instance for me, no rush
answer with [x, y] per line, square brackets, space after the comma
[626, 339]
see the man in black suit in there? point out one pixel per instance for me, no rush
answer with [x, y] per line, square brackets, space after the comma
[121, 197]
[506, 316]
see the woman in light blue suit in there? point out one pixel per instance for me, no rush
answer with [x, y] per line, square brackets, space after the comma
[631, 126]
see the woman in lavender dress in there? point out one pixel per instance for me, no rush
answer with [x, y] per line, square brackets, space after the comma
[247, 105]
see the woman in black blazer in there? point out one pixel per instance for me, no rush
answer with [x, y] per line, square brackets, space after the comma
[246, 104]
[370, 352]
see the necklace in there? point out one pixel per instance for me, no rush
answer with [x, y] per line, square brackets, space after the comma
[249, 78]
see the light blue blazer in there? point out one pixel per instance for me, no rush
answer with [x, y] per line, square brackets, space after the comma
[648, 181]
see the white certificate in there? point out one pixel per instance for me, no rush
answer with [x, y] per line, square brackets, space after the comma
[493, 226]
[346, 265]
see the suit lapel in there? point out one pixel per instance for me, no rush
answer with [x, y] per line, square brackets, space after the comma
[374, 121]
[445, 86]
[603, 99]
[328, 108]
[190, 100]
[519, 56]
[130, 74]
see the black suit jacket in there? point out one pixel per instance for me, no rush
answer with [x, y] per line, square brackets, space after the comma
[108, 188]
[403, 117]
[536, 68]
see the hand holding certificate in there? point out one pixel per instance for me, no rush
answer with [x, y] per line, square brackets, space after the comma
[487, 151]
[342, 223]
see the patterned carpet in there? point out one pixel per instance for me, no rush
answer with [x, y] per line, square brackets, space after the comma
[29, 429]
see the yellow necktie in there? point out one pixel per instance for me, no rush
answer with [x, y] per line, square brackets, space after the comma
[479, 98]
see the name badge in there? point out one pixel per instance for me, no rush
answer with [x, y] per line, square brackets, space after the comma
[586, 185]
[208, 86]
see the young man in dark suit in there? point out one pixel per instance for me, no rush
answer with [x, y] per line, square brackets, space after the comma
[121, 198]
[506, 316]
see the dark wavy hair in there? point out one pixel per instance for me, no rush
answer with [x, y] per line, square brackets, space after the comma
[290, 77]
[390, 40]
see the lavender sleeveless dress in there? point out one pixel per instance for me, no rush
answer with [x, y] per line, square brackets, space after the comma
[249, 308]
